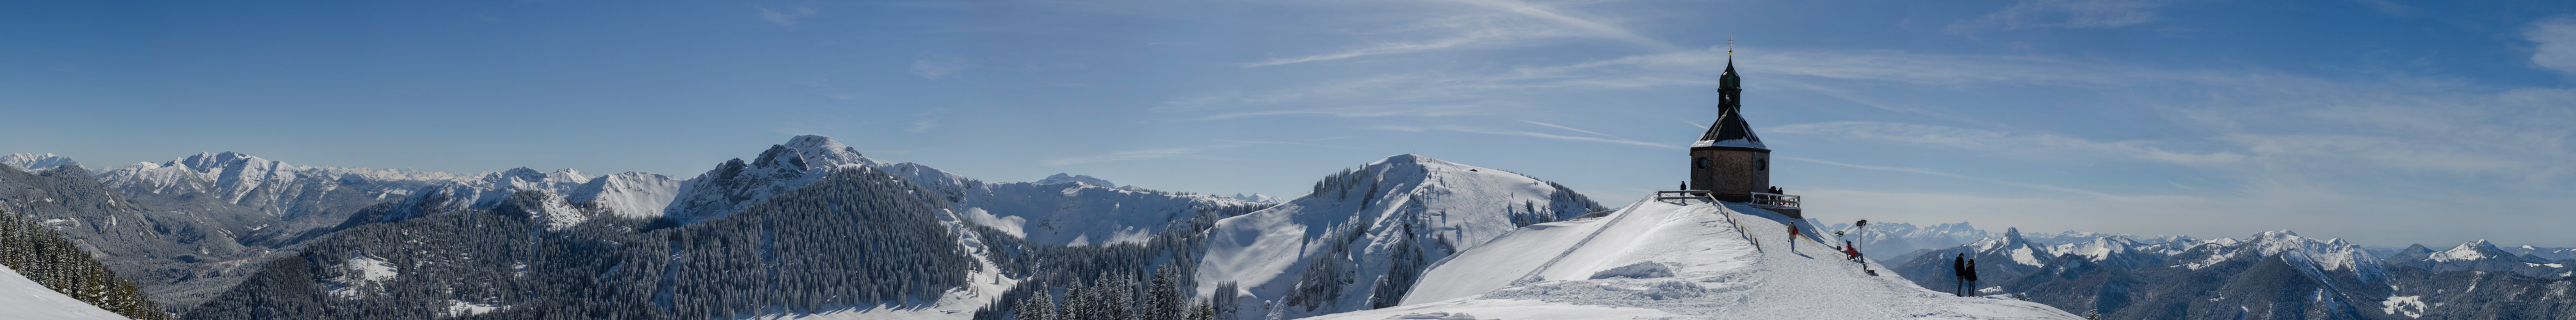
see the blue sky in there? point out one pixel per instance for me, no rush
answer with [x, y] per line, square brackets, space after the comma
[2381, 122]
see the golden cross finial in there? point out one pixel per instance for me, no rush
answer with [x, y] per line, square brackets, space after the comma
[1730, 46]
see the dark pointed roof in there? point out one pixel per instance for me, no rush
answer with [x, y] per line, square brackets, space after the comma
[1730, 131]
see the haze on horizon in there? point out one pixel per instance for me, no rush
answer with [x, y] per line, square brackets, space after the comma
[2379, 122]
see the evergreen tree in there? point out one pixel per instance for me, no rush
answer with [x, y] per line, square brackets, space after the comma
[49, 259]
[1036, 307]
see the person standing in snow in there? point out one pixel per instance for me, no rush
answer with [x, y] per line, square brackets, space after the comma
[1851, 252]
[1971, 275]
[1959, 272]
[1793, 236]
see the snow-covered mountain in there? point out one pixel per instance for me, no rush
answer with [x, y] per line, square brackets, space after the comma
[170, 253]
[1066, 178]
[1356, 241]
[735, 183]
[2480, 256]
[35, 161]
[1062, 209]
[2552, 254]
[1254, 198]
[1676, 259]
[631, 194]
[2274, 273]
[255, 182]
[2321, 255]
[1893, 240]
[1996, 258]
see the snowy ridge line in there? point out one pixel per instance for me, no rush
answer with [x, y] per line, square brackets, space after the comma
[1560, 256]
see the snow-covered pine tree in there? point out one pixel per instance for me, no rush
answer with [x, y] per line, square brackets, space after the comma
[1036, 307]
[49, 259]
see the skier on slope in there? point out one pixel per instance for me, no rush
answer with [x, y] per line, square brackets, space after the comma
[1959, 272]
[1850, 252]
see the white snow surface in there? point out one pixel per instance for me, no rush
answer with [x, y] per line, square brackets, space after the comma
[459, 308]
[21, 298]
[2412, 306]
[359, 275]
[1716, 272]
[1266, 251]
[35, 161]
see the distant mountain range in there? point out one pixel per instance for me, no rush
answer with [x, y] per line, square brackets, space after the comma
[2266, 275]
[811, 227]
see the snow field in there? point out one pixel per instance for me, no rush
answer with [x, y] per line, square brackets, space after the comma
[21, 298]
[1714, 273]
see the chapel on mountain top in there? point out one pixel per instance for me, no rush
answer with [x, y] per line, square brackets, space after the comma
[1729, 163]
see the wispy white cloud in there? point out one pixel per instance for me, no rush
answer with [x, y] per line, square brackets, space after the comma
[1891, 169]
[1592, 25]
[926, 120]
[939, 68]
[2042, 143]
[2063, 14]
[2387, 7]
[1495, 23]
[1310, 144]
[1389, 48]
[1552, 125]
[1123, 156]
[2554, 41]
[1454, 93]
[1507, 132]
[786, 18]
[1177, 151]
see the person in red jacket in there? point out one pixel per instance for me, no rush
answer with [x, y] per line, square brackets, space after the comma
[1793, 236]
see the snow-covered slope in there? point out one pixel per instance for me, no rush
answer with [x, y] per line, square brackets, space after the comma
[35, 161]
[24, 299]
[1357, 240]
[1679, 259]
[632, 194]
